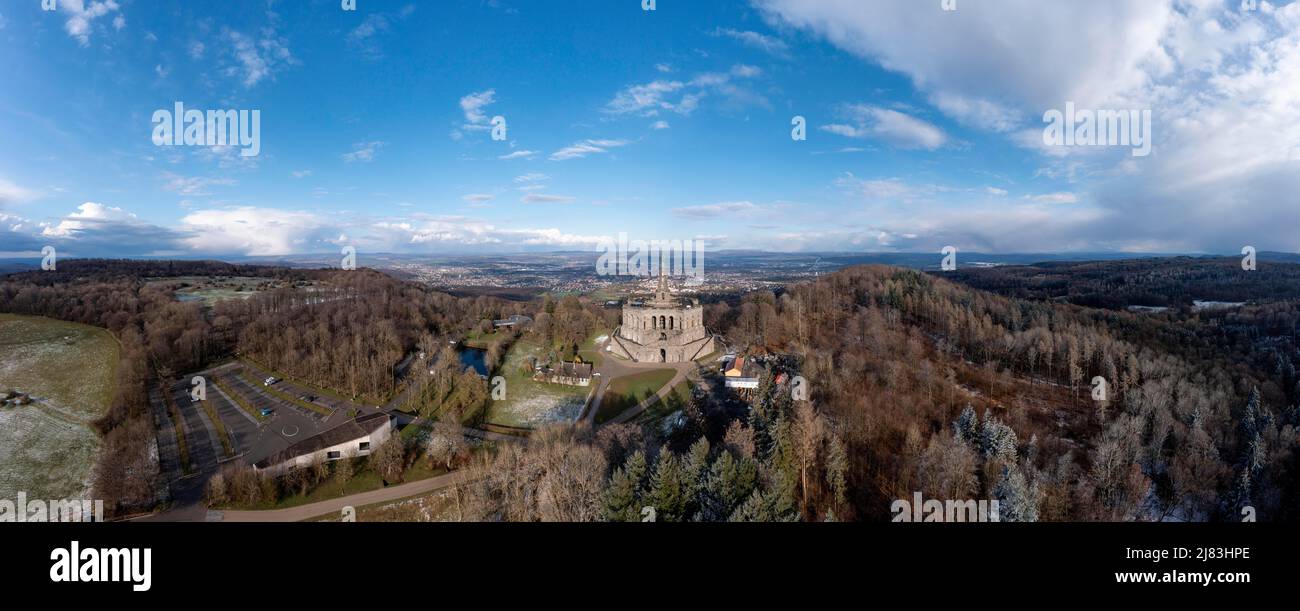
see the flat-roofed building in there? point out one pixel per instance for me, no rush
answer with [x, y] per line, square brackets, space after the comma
[351, 439]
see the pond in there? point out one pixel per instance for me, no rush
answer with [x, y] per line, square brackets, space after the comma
[474, 357]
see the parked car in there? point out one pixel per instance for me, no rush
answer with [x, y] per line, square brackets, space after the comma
[308, 398]
[269, 381]
[266, 412]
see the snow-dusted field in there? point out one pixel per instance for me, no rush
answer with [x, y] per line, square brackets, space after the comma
[47, 449]
[530, 404]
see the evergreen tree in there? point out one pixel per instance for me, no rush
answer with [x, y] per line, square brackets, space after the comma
[697, 471]
[668, 488]
[625, 494]
[1017, 502]
[998, 440]
[837, 467]
[966, 427]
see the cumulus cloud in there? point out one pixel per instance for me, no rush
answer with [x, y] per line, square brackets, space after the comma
[476, 119]
[82, 16]
[426, 233]
[256, 58]
[257, 231]
[103, 230]
[1221, 84]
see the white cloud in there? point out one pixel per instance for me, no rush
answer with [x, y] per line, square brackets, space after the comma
[88, 215]
[257, 59]
[476, 118]
[196, 49]
[301, 173]
[425, 233]
[660, 125]
[519, 155]
[582, 149]
[684, 97]
[762, 42]
[11, 193]
[532, 177]
[478, 197]
[94, 229]
[708, 211]
[363, 152]
[82, 15]
[256, 231]
[1223, 86]
[996, 192]
[538, 198]
[1056, 198]
[899, 129]
[193, 186]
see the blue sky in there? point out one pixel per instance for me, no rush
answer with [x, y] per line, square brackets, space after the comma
[923, 125]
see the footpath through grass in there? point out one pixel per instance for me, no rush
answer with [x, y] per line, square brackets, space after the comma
[627, 392]
[672, 403]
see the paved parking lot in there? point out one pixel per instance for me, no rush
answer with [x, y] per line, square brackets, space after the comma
[252, 439]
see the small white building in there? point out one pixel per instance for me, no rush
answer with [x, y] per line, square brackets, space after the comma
[742, 382]
[348, 440]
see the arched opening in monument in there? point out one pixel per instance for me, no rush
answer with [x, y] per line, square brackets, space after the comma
[663, 355]
[671, 322]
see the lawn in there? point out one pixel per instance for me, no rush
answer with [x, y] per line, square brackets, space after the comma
[673, 403]
[590, 352]
[475, 339]
[627, 392]
[364, 480]
[529, 404]
[47, 448]
[212, 289]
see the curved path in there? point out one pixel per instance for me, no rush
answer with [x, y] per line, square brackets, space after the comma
[613, 367]
[314, 510]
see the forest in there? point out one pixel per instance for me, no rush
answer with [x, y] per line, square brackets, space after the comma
[918, 383]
